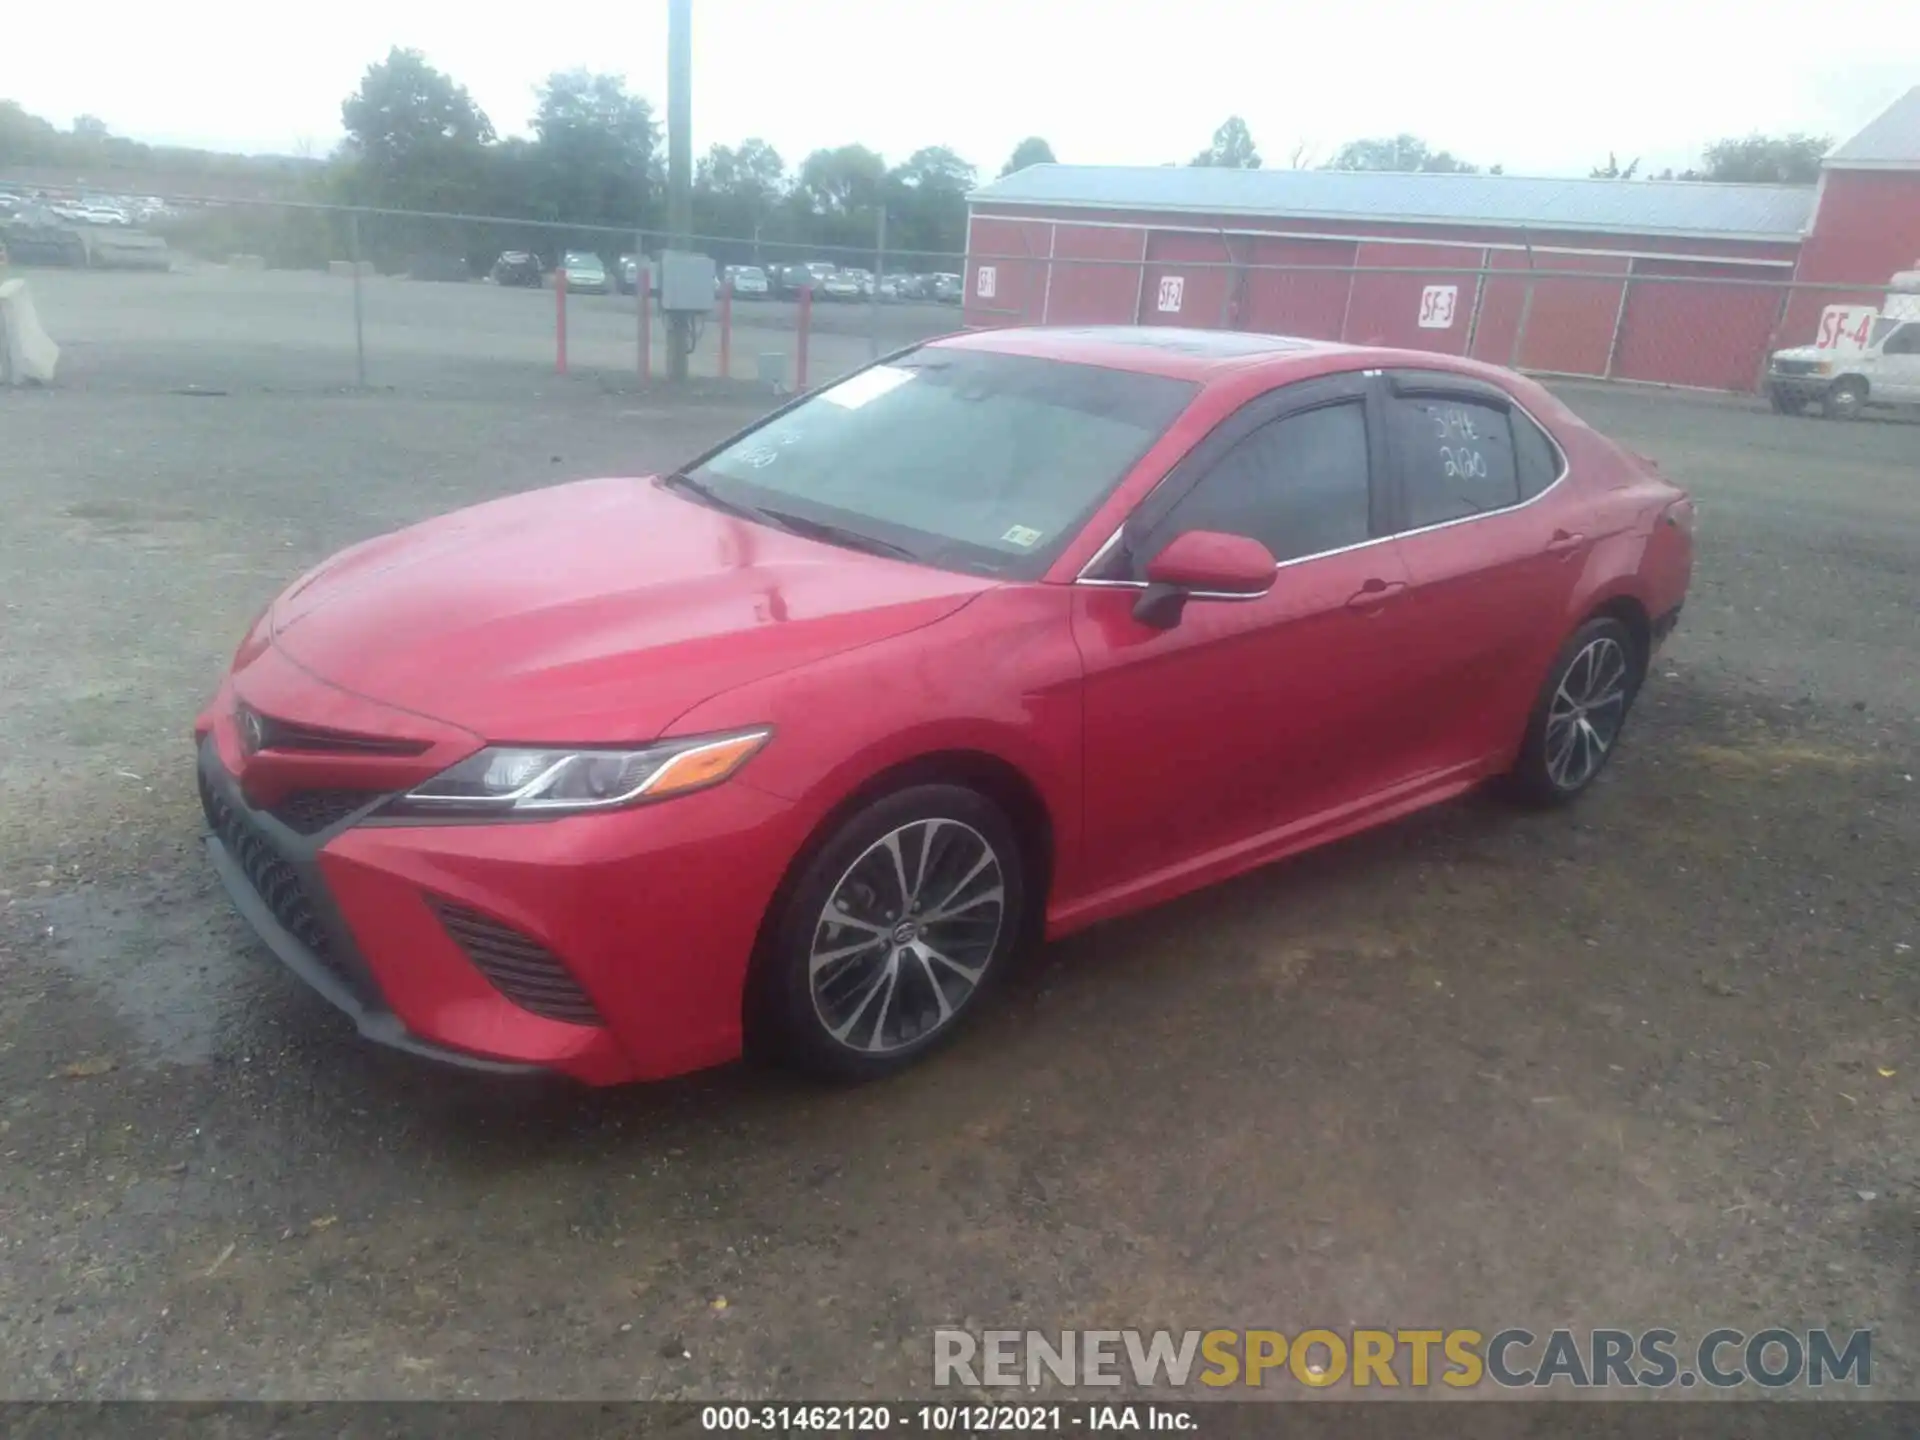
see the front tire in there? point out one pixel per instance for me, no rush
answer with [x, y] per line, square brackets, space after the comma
[1576, 722]
[1846, 399]
[896, 927]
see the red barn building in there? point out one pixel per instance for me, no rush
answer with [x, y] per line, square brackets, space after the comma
[1674, 282]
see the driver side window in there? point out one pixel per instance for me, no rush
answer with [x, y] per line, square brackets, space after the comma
[1904, 341]
[1298, 485]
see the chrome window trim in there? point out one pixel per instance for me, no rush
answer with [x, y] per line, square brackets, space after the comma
[1106, 546]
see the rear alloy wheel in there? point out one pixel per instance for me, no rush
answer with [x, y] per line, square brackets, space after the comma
[1846, 399]
[894, 931]
[1577, 720]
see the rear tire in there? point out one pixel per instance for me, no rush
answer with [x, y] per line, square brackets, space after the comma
[897, 926]
[1845, 399]
[1581, 710]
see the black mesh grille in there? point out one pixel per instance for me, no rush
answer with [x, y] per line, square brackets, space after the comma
[520, 968]
[308, 812]
[275, 881]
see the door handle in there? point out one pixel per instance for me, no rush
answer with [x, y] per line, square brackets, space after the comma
[1564, 543]
[1375, 593]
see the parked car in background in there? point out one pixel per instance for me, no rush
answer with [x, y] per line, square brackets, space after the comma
[747, 282]
[518, 267]
[585, 272]
[620, 777]
[842, 285]
[808, 276]
[947, 289]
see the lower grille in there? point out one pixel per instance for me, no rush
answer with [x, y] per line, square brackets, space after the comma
[518, 966]
[308, 812]
[275, 881]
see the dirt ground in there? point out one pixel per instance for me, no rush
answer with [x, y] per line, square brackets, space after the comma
[1626, 1065]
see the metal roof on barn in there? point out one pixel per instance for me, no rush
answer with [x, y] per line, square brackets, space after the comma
[1627, 207]
[1891, 142]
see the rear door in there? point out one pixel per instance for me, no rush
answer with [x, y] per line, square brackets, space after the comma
[1494, 546]
[1248, 713]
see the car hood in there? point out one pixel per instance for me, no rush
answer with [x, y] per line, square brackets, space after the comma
[596, 612]
[1804, 352]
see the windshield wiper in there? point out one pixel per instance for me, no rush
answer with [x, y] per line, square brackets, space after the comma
[680, 480]
[837, 535]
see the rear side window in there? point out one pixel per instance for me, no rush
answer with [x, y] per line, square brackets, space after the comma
[1297, 485]
[1534, 455]
[1456, 458]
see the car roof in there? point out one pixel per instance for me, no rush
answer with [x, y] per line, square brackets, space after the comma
[1204, 355]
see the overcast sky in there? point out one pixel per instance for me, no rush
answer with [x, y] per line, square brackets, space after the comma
[1547, 87]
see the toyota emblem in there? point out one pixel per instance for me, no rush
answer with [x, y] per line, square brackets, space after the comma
[253, 731]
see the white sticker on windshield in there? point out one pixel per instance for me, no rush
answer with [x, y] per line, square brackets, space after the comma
[1025, 536]
[867, 385]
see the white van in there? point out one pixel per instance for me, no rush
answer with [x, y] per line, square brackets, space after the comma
[1862, 358]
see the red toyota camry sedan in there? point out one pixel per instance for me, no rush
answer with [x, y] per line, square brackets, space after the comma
[795, 747]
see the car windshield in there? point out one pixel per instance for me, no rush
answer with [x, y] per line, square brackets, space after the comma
[965, 459]
[750, 272]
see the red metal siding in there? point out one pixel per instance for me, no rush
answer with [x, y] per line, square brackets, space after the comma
[1385, 309]
[1309, 303]
[1019, 283]
[1668, 331]
[1089, 293]
[1566, 326]
[1463, 234]
[1199, 263]
[1712, 336]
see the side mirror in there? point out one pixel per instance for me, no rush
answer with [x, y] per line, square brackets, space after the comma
[1206, 561]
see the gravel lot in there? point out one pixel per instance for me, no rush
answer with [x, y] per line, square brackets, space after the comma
[1619, 1066]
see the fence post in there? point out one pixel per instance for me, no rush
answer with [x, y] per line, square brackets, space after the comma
[726, 332]
[560, 317]
[359, 319]
[1619, 317]
[806, 323]
[643, 286]
[879, 271]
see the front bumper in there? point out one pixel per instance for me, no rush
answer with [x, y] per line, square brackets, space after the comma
[271, 874]
[1799, 387]
[653, 914]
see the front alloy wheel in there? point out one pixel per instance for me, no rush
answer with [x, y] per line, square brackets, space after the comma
[895, 927]
[906, 936]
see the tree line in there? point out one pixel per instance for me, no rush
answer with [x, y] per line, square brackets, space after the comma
[1751, 159]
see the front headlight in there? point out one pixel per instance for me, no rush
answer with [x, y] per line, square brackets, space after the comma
[525, 780]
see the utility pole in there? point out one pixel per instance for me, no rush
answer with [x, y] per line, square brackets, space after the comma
[679, 169]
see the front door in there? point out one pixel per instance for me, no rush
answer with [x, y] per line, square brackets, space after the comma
[1248, 713]
[1896, 379]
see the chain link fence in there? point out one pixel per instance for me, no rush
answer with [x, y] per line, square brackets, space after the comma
[1674, 321]
[209, 293]
[215, 293]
